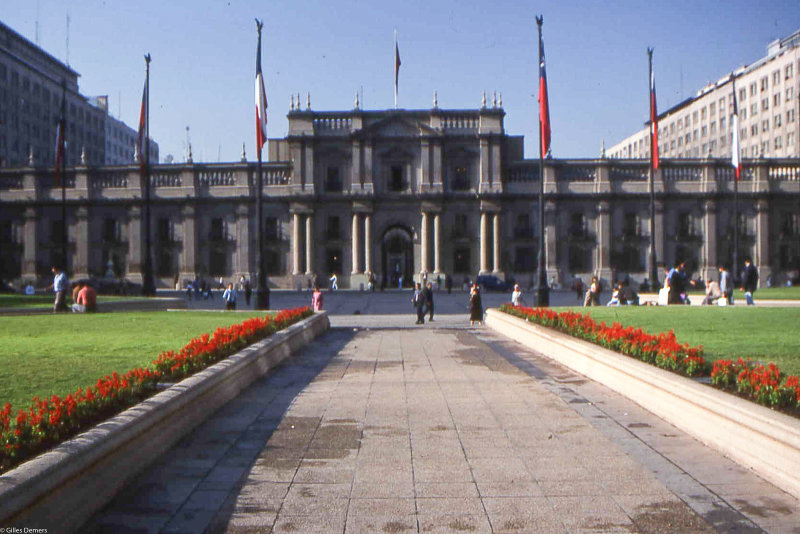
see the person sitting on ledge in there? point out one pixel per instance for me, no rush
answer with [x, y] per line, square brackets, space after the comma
[86, 301]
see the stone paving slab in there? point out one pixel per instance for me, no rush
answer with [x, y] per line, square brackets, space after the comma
[442, 429]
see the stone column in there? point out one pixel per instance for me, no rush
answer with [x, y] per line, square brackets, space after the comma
[188, 267]
[603, 256]
[551, 246]
[368, 242]
[243, 240]
[355, 237]
[437, 163]
[296, 267]
[661, 261]
[761, 259]
[135, 237]
[437, 244]
[30, 244]
[425, 158]
[80, 264]
[309, 244]
[496, 243]
[423, 241]
[710, 267]
[484, 242]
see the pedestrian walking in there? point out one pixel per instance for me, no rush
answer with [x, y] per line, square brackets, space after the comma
[316, 299]
[726, 285]
[592, 296]
[577, 285]
[229, 296]
[516, 296]
[59, 287]
[749, 281]
[418, 301]
[475, 306]
[448, 283]
[428, 294]
[248, 292]
[334, 280]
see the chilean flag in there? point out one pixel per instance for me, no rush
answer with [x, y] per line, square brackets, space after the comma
[544, 106]
[143, 124]
[735, 159]
[653, 118]
[261, 100]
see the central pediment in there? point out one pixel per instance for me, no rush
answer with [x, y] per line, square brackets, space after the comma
[398, 127]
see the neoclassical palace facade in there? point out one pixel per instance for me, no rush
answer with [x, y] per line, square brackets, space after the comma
[397, 193]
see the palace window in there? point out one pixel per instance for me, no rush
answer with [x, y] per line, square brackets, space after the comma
[525, 259]
[271, 229]
[333, 181]
[334, 229]
[217, 230]
[461, 260]
[112, 230]
[396, 178]
[164, 230]
[460, 178]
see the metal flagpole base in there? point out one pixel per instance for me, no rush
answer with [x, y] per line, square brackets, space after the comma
[262, 299]
[542, 299]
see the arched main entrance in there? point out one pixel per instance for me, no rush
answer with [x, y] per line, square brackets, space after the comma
[397, 257]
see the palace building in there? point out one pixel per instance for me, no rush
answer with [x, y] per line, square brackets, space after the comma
[398, 193]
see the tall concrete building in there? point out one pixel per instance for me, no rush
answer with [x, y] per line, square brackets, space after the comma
[768, 98]
[399, 193]
[32, 83]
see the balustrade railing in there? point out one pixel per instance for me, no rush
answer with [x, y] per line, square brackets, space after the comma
[577, 173]
[109, 180]
[636, 173]
[460, 122]
[784, 172]
[332, 123]
[215, 178]
[522, 173]
[8, 183]
[682, 173]
[164, 178]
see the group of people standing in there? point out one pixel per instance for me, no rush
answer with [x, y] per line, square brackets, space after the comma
[422, 300]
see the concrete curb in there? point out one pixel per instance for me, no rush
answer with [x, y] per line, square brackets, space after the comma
[62, 488]
[754, 436]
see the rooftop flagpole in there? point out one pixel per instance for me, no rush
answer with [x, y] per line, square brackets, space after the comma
[262, 287]
[542, 289]
[397, 64]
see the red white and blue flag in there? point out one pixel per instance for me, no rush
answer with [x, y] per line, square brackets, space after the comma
[736, 160]
[544, 105]
[143, 116]
[261, 100]
[653, 117]
[397, 64]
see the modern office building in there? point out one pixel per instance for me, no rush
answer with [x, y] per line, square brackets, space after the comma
[398, 193]
[32, 84]
[768, 99]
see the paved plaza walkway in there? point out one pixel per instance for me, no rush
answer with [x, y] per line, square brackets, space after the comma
[375, 428]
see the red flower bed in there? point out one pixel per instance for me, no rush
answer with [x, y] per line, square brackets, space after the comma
[765, 385]
[662, 349]
[48, 422]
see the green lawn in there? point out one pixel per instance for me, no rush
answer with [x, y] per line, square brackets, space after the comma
[17, 300]
[765, 293]
[56, 354]
[763, 334]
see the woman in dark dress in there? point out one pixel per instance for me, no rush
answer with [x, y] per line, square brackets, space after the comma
[475, 306]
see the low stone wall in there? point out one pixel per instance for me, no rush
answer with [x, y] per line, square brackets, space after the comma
[754, 436]
[62, 488]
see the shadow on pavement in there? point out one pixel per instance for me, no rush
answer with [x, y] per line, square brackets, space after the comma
[193, 487]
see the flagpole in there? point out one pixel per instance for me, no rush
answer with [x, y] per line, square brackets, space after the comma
[542, 289]
[736, 174]
[653, 274]
[148, 283]
[396, 69]
[63, 172]
[262, 290]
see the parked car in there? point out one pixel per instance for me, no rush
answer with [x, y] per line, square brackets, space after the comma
[490, 282]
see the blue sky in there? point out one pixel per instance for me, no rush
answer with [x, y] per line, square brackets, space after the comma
[204, 59]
